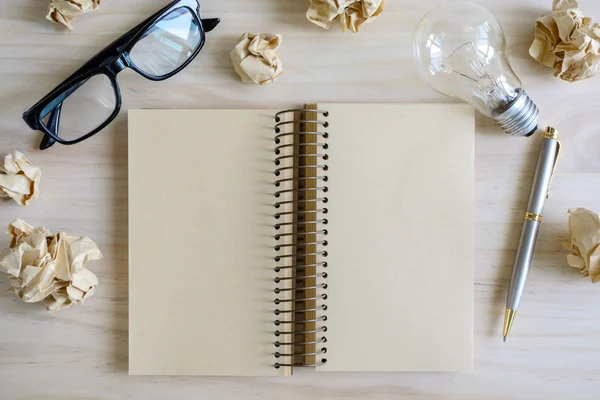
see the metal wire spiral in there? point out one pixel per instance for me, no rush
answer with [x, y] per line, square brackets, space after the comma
[292, 230]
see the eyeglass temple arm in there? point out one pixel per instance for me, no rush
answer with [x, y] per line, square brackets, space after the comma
[210, 23]
[47, 140]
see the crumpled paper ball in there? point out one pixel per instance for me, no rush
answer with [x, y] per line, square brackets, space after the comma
[50, 269]
[351, 13]
[65, 11]
[19, 179]
[584, 242]
[255, 58]
[568, 42]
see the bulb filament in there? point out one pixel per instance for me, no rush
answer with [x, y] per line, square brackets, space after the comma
[498, 93]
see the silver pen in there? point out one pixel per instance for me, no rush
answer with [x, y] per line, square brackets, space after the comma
[532, 220]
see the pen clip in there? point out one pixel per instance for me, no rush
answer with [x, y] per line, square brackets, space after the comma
[554, 167]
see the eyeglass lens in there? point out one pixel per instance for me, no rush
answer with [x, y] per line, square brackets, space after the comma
[168, 44]
[87, 107]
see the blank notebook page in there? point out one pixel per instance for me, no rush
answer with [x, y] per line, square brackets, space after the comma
[400, 264]
[201, 242]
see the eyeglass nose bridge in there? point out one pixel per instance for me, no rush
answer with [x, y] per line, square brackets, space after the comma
[118, 65]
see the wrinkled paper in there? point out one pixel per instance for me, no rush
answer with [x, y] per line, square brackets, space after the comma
[568, 42]
[50, 269]
[19, 179]
[65, 11]
[351, 13]
[255, 58]
[584, 242]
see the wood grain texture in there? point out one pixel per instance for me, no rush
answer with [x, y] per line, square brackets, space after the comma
[554, 350]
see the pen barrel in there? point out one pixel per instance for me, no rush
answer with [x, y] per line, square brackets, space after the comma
[525, 252]
[543, 176]
[532, 221]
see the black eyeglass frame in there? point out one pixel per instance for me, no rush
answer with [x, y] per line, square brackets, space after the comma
[109, 62]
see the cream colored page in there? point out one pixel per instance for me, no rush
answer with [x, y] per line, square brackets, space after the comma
[400, 253]
[201, 243]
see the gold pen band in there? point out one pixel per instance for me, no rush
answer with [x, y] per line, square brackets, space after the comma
[533, 217]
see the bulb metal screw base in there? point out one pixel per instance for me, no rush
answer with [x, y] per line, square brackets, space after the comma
[521, 117]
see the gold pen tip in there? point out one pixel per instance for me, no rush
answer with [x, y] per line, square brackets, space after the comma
[509, 317]
[504, 339]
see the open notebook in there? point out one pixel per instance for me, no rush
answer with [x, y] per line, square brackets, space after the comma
[338, 236]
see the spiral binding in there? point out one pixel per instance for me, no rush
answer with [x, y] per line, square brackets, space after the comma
[293, 251]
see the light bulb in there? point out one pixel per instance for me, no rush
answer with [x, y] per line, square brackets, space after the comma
[460, 50]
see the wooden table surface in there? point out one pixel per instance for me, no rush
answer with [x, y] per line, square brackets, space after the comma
[554, 349]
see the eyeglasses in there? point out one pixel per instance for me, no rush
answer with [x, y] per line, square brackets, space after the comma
[90, 99]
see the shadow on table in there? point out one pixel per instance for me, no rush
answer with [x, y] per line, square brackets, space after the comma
[119, 246]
